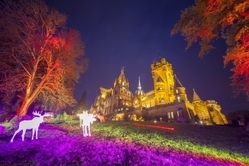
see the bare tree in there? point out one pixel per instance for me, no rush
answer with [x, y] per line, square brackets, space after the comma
[40, 58]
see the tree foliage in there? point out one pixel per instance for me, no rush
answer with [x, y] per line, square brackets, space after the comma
[208, 20]
[82, 104]
[41, 59]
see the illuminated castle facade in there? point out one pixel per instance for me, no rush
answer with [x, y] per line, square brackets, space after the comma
[167, 101]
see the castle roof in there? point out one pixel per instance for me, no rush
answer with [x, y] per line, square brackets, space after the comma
[121, 80]
[196, 98]
[177, 82]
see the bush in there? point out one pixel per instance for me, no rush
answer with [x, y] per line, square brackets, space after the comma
[65, 118]
[5, 127]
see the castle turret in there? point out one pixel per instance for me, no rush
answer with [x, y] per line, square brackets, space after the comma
[180, 91]
[121, 81]
[196, 98]
[163, 78]
[122, 95]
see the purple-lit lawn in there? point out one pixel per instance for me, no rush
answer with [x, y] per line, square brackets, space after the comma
[57, 146]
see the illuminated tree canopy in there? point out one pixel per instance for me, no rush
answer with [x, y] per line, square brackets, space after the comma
[209, 20]
[41, 59]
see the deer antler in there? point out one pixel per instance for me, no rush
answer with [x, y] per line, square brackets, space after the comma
[47, 114]
[36, 113]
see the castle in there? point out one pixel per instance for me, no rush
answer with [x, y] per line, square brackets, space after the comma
[167, 101]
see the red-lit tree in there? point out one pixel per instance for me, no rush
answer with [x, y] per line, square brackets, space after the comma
[208, 20]
[40, 58]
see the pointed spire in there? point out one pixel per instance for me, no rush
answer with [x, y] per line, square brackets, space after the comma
[122, 69]
[139, 84]
[139, 88]
[121, 77]
[178, 83]
[196, 98]
[122, 80]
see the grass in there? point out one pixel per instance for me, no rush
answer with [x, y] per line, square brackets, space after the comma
[223, 142]
[123, 143]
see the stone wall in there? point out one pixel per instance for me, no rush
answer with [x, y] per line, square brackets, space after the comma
[171, 112]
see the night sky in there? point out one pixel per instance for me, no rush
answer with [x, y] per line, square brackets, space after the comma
[135, 33]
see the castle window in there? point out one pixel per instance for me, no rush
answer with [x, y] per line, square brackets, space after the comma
[159, 79]
[176, 90]
[172, 115]
[178, 98]
[171, 88]
[161, 100]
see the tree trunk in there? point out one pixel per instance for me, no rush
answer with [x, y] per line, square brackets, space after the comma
[23, 109]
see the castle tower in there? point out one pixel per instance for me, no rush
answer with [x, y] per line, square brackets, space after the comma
[180, 91]
[122, 95]
[163, 79]
[121, 81]
[201, 109]
[215, 112]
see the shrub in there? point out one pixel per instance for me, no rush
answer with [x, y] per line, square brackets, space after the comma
[6, 126]
[65, 118]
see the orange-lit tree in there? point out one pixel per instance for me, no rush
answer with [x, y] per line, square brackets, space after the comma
[208, 20]
[40, 58]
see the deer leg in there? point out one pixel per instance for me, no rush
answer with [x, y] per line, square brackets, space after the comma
[89, 131]
[36, 133]
[86, 131]
[23, 134]
[33, 133]
[83, 131]
[15, 134]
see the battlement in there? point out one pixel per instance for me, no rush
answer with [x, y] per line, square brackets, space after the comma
[160, 63]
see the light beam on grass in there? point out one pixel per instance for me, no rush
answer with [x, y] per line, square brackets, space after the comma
[155, 126]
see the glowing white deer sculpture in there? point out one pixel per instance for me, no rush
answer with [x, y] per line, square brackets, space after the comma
[85, 122]
[30, 124]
